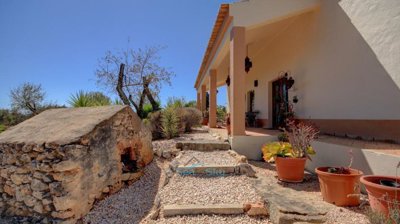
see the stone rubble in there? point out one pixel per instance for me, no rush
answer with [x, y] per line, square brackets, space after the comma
[60, 180]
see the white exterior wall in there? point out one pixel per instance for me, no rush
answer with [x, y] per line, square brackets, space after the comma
[341, 70]
[368, 161]
[379, 24]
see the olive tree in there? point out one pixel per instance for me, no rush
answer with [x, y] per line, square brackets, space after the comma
[135, 75]
[27, 98]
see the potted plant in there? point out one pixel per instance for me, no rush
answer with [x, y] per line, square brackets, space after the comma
[383, 192]
[290, 158]
[340, 185]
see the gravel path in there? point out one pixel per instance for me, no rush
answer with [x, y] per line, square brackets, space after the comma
[213, 219]
[348, 215]
[170, 143]
[209, 158]
[208, 190]
[310, 188]
[131, 204]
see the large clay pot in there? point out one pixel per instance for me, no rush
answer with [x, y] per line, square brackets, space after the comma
[381, 197]
[340, 189]
[290, 169]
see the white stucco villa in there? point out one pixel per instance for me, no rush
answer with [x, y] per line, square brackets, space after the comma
[343, 56]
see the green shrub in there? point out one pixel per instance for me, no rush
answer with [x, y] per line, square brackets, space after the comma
[282, 137]
[117, 101]
[89, 99]
[99, 99]
[12, 117]
[191, 103]
[154, 123]
[170, 123]
[176, 102]
[2, 128]
[147, 109]
[221, 113]
[189, 117]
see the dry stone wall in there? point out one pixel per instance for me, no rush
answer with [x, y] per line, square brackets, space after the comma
[62, 181]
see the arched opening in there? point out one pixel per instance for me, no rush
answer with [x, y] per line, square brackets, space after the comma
[128, 161]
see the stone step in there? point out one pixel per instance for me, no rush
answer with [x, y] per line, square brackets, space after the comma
[216, 170]
[203, 145]
[286, 205]
[192, 209]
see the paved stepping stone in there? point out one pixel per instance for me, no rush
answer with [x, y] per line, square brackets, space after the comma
[203, 145]
[211, 170]
[192, 209]
[286, 205]
[216, 170]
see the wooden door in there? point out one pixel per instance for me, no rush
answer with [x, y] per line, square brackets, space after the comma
[280, 105]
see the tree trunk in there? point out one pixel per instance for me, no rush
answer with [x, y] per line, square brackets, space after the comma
[139, 108]
[150, 97]
[31, 108]
[120, 84]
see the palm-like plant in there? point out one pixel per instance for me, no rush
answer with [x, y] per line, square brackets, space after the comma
[170, 123]
[89, 99]
[80, 99]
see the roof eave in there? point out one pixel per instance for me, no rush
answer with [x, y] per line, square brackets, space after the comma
[223, 13]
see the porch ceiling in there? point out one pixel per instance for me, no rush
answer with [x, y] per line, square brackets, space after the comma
[258, 36]
[261, 37]
[257, 39]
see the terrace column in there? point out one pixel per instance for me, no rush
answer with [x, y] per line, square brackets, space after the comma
[237, 85]
[203, 98]
[228, 95]
[198, 101]
[212, 123]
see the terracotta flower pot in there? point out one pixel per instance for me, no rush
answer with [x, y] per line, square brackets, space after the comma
[340, 189]
[290, 169]
[381, 197]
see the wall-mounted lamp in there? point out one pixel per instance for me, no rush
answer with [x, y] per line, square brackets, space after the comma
[248, 64]
[295, 99]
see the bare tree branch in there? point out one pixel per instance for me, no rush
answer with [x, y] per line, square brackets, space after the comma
[120, 84]
[140, 78]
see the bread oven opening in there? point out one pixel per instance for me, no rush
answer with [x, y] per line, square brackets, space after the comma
[128, 161]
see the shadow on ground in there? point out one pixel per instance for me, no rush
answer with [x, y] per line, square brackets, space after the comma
[131, 204]
[310, 183]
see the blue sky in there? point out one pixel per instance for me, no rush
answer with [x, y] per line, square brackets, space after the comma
[57, 43]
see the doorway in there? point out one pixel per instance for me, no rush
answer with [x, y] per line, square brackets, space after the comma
[280, 103]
